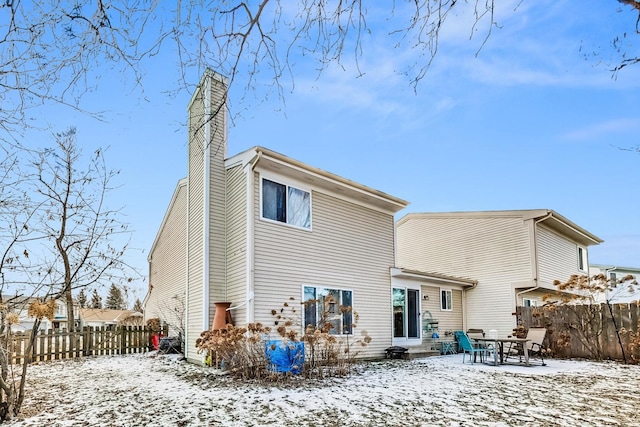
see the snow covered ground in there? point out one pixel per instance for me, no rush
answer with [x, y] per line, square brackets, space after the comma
[145, 390]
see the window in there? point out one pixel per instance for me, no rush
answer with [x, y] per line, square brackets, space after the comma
[286, 204]
[333, 306]
[446, 299]
[613, 277]
[582, 259]
[528, 302]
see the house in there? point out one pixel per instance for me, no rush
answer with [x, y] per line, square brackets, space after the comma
[514, 256]
[167, 259]
[260, 228]
[100, 317]
[621, 293]
[427, 307]
[20, 306]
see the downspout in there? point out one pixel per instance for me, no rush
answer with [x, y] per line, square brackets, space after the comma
[535, 255]
[464, 304]
[249, 168]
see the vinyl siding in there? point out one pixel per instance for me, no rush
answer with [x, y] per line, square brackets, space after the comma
[167, 265]
[557, 257]
[195, 229]
[495, 251]
[349, 247]
[216, 127]
[236, 215]
[430, 307]
[448, 320]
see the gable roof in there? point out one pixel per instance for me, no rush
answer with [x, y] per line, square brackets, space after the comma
[181, 184]
[105, 315]
[279, 163]
[549, 217]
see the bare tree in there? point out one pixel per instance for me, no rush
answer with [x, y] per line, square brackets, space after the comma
[81, 228]
[581, 295]
[55, 51]
[49, 50]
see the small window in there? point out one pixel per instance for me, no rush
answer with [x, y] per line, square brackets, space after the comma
[286, 204]
[582, 259]
[613, 279]
[329, 306]
[528, 302]
[446, 299]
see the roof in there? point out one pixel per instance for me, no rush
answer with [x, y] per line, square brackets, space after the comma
[296, 169]
[611, 267]
[181, 183]
[105, 315]
[551, 218]
[436, 277]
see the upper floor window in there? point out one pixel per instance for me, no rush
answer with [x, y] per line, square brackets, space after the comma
[528, 302]
[446, 299]
[286, 204]
[582, 259]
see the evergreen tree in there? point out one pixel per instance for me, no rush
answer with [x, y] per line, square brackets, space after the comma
[96, 300]
[82, 299]
[115, 300]
[137, 306]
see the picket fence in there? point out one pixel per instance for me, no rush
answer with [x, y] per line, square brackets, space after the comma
[564, 339]
[90, 341]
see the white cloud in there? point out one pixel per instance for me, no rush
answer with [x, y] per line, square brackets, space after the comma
[602, 129]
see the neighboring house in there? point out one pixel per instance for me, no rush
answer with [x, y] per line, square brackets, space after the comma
[100, 317]
[425, 304]
[20, 306]
[167, 258]
[515, 256]
[261, 228]
[620, 293]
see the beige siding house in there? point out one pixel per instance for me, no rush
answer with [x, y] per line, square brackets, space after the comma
[427, 308]
[168, 263]
[262, 228]
[625, 291]
[515, 256]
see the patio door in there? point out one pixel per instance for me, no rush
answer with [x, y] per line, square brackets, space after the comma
[406, 316]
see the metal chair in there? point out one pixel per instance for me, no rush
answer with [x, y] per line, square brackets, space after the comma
[534, 345]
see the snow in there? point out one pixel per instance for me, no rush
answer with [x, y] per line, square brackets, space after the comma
[152, 390]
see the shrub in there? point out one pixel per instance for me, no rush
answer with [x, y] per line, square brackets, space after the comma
[243, 351]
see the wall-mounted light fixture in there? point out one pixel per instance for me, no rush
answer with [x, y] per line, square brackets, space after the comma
[425, 297]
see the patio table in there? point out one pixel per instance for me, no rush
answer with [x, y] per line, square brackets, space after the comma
[498, 345]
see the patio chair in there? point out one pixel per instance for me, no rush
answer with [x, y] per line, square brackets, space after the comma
[471, 348]
[475, 333]
[534, 346]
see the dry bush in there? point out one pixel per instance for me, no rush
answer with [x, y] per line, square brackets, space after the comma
[243, 351]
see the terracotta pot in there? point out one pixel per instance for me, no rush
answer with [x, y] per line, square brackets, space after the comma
[222, 316]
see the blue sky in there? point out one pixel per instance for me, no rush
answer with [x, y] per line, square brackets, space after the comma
[530, 122]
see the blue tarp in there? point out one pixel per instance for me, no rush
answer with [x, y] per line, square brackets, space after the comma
[285, 356]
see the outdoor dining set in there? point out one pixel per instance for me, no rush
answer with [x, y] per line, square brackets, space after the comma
[498, 351]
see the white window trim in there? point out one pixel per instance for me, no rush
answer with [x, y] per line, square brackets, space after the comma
[450, 291]
[287, 184]
[585, 261]
[353, 304]
[532, 302]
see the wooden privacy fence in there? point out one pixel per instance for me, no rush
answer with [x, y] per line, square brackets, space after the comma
[587, 331]
[90, 341]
